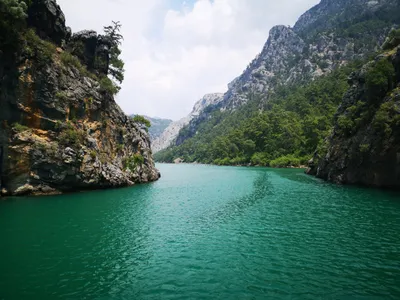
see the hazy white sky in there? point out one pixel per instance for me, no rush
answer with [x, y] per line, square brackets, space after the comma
[176, 51]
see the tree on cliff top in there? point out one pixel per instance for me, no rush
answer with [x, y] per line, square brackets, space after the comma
[115, 38]
[142, 120]
[13, 8]
[13, 16]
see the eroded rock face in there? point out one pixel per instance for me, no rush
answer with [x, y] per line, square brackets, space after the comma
[278, 58]
[60, 131]
[171, 132]
[364, 147]
[324, 38]
[329, 13]
[157, 128]
[48, 19]
[92, 50]
[70, 135]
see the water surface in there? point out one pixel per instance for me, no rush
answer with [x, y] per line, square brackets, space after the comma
[204, 232]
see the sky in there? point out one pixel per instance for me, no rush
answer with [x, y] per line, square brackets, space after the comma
[176, 51]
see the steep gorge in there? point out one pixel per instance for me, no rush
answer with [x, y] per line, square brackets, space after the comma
[324, 38]
[282, 107]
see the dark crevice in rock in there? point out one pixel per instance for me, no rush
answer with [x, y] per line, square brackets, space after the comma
[364, 147]
[48, 19]
[60, 130]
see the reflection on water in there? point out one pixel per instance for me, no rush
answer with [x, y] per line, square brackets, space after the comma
[204, 232]
[261, 189]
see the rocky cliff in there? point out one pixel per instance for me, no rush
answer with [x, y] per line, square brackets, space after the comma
[364, 147]
[172, 131]
[157, 127]
[327, 36]
[61, 129]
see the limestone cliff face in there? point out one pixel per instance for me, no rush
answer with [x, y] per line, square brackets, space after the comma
[172, 131]
[364, 147]
[158, 126]
[61, 129]
[327, 36]
[328, 15]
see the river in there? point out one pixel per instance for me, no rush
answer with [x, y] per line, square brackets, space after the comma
[204, 232]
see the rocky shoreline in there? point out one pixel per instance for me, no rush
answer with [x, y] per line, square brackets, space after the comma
[364, 147]
[61, 129]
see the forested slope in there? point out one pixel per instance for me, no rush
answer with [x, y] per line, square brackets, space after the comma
[281, 108]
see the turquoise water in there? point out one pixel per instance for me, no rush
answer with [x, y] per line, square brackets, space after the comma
[204, 232]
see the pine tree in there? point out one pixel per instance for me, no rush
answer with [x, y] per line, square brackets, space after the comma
[112, 33]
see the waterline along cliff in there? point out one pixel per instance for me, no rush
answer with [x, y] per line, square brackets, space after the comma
[364, 147]
[61, 129]
[284, 105]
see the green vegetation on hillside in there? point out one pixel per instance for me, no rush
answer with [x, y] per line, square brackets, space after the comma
[392, 40]
[157, 126]
[380, 80]
[281, 129]
[12, 20]
[142, 120]
[353, 22]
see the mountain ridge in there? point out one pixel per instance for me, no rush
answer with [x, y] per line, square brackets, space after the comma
[289, 56]
[279, 110]
[165, 139]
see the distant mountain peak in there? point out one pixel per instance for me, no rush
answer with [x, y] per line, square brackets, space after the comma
[172, 131]
[326, 37]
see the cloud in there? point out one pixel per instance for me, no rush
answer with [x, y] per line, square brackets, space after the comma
[177, 51]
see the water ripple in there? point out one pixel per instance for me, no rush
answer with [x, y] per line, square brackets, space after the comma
[205, 232]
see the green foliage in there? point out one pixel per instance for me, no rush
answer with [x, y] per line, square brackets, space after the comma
[364, 148]
[49, 149]
[15, 9]
[12, 21]
[70, 60]
[71, 137]
[259, 159]
[61, 95]
[42, 51]
[19, 128]
[116, 68]
[108, 86]
[93, 154]
[356, 23]
[285, 161]
[77, 48]
[393, 40]
[58, 125]
[134, 161]
[141, 120]
[386, 118]
[283, 129]
[380, 79]
[345, 123]
[41, 146]
[355, 116]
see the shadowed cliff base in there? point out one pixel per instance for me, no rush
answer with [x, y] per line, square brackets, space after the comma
[61, 129]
